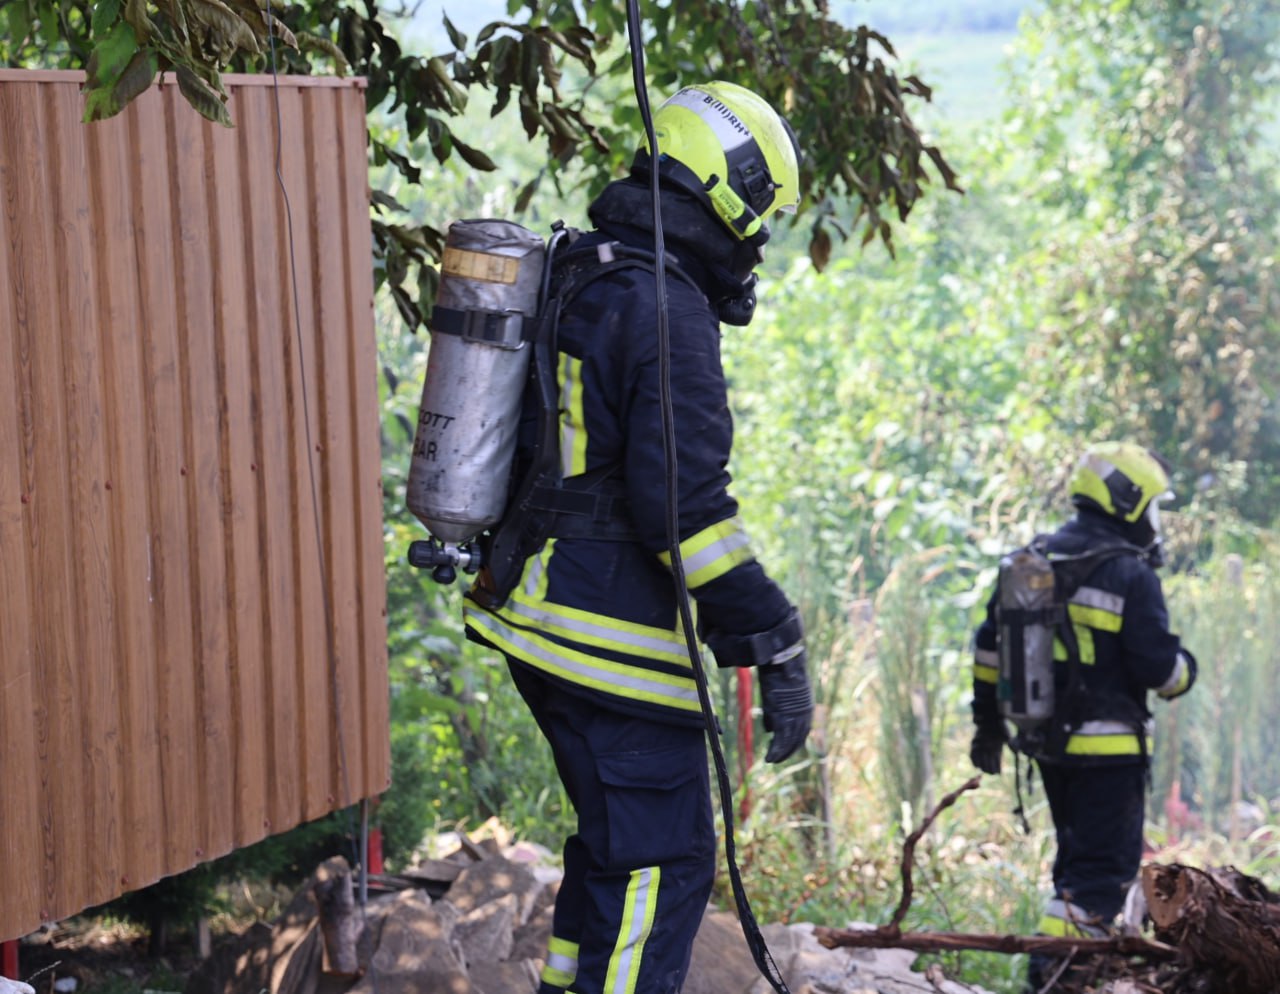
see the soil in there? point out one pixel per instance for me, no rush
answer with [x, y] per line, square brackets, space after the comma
[103, 958]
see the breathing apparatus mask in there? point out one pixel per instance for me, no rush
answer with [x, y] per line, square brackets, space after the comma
[1147, 532]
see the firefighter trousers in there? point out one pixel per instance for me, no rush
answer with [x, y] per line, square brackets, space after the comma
[638, 871]
[1098, 817]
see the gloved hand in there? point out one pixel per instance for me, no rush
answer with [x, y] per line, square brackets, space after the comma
[788, 704]
[987, 749]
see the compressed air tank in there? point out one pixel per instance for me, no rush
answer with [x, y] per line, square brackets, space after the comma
[1026, 620]
[477, 366]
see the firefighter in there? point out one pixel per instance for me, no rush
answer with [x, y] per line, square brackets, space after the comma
[591, 631]
[1095, 776]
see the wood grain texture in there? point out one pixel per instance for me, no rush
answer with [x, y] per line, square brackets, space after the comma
[192, 608]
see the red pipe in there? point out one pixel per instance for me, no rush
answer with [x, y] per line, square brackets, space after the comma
[374, 855]
[9, 959]
[746, 748]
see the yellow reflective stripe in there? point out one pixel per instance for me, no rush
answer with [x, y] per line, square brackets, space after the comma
[601, 630]
[985, 674]
[562, 963]
[573, 425]
[1062, 918]
[1084, 639]
[637, 922]
[621, 679]
[1107, 738]
[712, 552]
[1094, 617]
[1104, 600]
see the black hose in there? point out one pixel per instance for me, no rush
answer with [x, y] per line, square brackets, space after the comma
[750, 929]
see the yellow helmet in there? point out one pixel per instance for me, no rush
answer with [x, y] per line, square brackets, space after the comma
[732, 150]
[1121, 479]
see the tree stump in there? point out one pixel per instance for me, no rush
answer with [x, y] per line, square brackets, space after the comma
[1225, 924]
[340, 919]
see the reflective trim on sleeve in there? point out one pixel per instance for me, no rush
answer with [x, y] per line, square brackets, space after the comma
[986, 666]
[562, 963]
[609, 677]
[1107, 738]
[712, 552]
[573, 424]
[1178, 679]
[638, 913]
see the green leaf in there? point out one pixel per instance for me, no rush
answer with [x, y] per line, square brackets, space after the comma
[111, 55]
[136, 78]
[19, 23]
[227, 29]
[105, 13]
[456, 37]
[202, 96]
[99, 103]
[473, 156]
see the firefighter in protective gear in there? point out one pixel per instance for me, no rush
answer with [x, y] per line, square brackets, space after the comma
[591, 631]
[1095, 778]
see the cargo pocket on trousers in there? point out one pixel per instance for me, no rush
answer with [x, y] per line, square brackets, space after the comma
[656, 807]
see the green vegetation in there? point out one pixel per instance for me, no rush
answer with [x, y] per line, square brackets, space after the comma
[1110, 271]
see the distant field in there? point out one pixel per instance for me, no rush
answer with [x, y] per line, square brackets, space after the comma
[964, 69]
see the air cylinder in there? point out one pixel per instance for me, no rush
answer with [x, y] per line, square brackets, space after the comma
[477, 366]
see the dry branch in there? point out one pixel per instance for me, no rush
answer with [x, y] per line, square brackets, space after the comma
[938, 942]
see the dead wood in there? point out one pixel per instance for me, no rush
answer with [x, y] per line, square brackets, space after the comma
[341, 921]
[891, 936]
[940, 942]
[1226, 924]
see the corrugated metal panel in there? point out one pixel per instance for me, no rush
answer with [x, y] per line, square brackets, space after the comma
[192, 600]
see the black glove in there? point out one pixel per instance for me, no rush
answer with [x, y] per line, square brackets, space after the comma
[987, 748]
[788, 704]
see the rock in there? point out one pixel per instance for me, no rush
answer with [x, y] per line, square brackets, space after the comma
[416, 952]
[490, 879]
[506, 978]
[485, 934]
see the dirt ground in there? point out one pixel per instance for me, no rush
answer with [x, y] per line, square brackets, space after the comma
[103, 958]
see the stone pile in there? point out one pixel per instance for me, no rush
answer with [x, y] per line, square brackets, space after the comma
[478, 921]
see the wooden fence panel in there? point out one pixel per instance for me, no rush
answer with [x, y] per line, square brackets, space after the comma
[192, 603]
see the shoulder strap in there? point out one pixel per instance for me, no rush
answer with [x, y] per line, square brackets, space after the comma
[1070, 573]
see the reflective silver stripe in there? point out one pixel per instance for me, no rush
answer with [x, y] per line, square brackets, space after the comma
[1092, 728]
[1075, 915]
[1177, 679]
[614, 678]
[721, 548]
[1102, 599]
[571, 403]
[533, 574]
[562, 962]
[600, 632]
[986, 657]
[637, 922]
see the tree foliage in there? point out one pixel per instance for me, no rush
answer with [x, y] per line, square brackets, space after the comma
[1146, 136]
[865, 161]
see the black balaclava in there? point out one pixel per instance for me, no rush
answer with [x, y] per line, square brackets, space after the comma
[720, 263]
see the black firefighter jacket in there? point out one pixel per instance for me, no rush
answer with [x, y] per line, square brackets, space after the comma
[601, 616]
[1126, 649]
